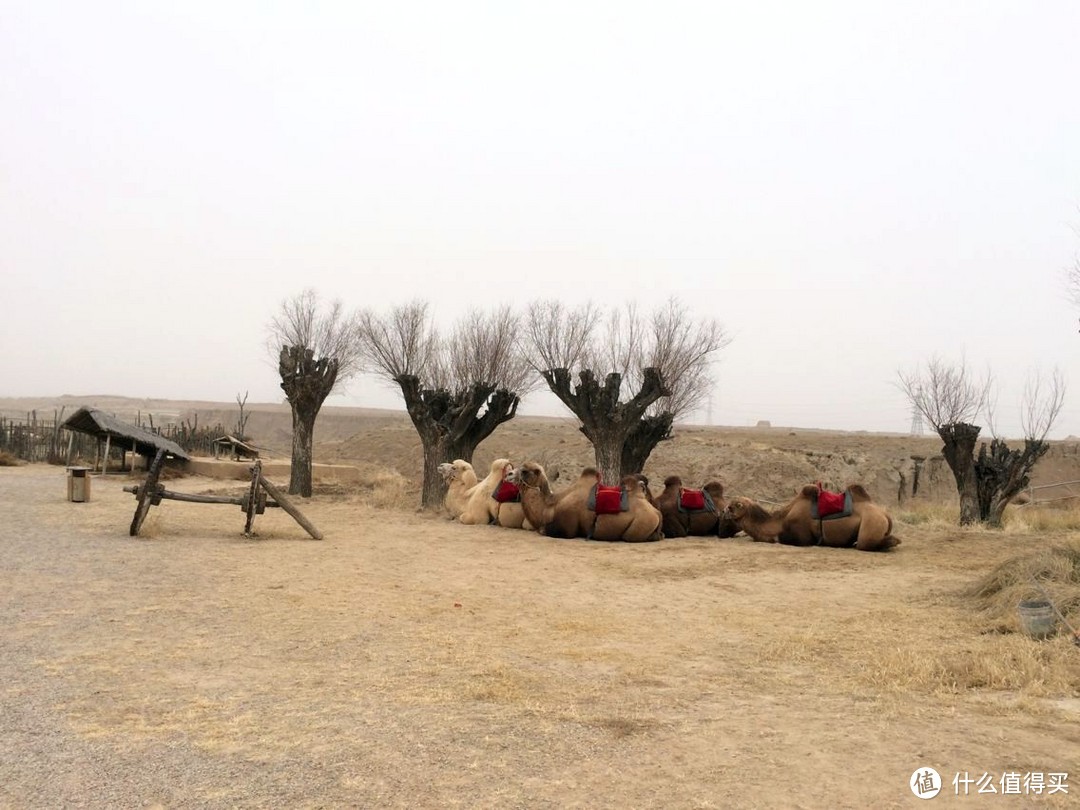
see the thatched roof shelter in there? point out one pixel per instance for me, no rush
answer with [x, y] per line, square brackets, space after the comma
[232, 446]
[105, 426]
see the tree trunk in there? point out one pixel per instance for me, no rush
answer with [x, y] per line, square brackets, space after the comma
[1002, 474]
[450, 427]
[307, 382]
[610, 424]
[642, 440]
[434, 490]
[302, 439]
[959, 452]
[607, 448]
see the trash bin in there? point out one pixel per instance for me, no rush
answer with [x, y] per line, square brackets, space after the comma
[1037, 618]
[78, 484]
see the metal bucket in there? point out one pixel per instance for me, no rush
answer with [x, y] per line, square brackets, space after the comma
[1037, 618]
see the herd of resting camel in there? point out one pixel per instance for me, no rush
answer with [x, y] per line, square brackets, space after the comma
[522, 498]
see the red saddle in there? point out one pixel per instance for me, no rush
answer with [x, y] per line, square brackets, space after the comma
[609, 500]
[830, 503]
[507, 492]
[692, 500]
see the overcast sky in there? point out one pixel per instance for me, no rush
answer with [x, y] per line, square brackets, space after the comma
[850, 187]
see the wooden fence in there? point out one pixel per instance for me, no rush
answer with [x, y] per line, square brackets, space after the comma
[46, 440]
[1053, 493]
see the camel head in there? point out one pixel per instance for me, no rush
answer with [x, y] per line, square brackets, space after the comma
[635, 485]
[715, 490]
[531, 474]
[738, 508]
[672, 482]
[453, 470]
[500, 467]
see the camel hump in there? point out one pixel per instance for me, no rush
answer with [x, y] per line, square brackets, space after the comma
[590, 472]
[859, 493]
[714, 488]
[672, 481]
[810, 491]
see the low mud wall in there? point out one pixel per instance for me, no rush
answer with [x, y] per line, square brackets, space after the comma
[274, 470]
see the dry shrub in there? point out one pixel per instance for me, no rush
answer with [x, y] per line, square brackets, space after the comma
[1026, 519]
[385, 489]
[1056, 569]
[8, 460]
[997, 664]
[931, 514]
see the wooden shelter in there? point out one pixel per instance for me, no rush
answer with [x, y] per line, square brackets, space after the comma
[234, 448]
[112, 431]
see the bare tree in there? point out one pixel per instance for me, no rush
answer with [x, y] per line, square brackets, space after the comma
[1072, 277]
[447, 381]
[665, 359]
[241, 421]
[950, 399]
[317, 351]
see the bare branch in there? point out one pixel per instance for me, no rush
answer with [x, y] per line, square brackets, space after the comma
[482, 351]
[558, 337]
[670, 340]
[683, 349]
[304, 323]
[400, 343]
[1041, 404]
[945, 394]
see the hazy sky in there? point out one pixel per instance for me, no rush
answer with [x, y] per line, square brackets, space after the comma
[850, 188]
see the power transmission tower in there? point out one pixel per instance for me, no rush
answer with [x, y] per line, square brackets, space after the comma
[916, 416]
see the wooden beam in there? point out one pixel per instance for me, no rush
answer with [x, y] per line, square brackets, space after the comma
[288, 506]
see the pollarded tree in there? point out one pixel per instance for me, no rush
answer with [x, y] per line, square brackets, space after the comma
[663, 360]
[457, 388]
[317, 351]
[950, 399]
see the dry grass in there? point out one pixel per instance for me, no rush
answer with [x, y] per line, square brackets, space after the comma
[1056, 569]
[8, 460]
[930, 514]
[408, 660]
[1042, 518]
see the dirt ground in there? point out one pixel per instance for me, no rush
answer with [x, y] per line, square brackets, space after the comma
[410, 661]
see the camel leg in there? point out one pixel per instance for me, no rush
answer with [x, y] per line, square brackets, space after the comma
[875, 533]
[797, 533]
[642, 528]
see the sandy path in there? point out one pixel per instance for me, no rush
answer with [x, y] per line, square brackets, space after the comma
[408, 661]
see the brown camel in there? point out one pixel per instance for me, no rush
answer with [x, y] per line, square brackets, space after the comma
[756, 522]
[684, 517]
[567, 513]
[867, 528]
[460, 478]
[641, 522]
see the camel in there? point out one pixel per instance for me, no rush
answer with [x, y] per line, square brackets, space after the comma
[567, 513]
[683, 520]
[540, 502]
[640, 523]
[867, 528]
[481, 506]
[459, 477]
[756, 522]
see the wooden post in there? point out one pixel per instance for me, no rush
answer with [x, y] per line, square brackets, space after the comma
[71, 446]
[105, 460]
[288, 506]
[147, 492]
[253, 495]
